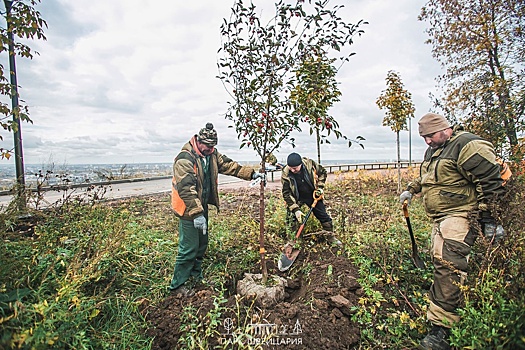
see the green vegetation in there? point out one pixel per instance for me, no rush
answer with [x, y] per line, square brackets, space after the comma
[476, 44]
[20, 23]
[83, 274]
[79, 276]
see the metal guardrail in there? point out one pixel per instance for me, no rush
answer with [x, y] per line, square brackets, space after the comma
[63, 187]
[329, 168]
[359, 166]
[369, 166]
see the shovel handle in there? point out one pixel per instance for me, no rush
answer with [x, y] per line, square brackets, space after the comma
[418, 262]
[405, 208]
[301, 228]
[299, 231]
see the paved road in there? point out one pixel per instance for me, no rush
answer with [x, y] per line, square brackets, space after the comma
[137, 188]
[152, 186]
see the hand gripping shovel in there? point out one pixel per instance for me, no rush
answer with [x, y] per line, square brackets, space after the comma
[420, 264]
[289, 254]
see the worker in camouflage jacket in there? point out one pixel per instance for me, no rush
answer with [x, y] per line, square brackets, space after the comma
[194, 186]
[459, 180]
[301, 179]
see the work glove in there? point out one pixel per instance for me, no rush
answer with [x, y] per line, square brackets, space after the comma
[200, 224]
[256, 175]
[405, 196]
[318, 192]
[299, 215]
[492, 231]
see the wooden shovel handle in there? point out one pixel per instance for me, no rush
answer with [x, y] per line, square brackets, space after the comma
[316, 199]
[405, 208]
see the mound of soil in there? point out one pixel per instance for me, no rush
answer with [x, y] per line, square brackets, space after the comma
[316, 313]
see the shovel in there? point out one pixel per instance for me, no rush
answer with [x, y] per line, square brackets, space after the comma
[289, 254]
[420, 264]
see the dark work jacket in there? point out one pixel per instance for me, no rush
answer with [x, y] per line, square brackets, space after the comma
[455, 178]
[315, 173]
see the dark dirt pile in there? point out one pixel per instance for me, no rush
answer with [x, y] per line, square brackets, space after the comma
[316, 312]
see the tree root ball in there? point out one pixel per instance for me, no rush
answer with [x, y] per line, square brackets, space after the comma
[268, 295]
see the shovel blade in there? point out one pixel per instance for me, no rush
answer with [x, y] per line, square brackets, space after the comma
[286, 261]
[418, 262]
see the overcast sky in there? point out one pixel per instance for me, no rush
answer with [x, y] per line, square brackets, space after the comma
[128, 81]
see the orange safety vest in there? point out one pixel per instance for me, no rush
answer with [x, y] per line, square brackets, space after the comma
[177, 204]
[504, 170]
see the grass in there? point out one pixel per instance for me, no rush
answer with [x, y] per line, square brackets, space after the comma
[81, 277]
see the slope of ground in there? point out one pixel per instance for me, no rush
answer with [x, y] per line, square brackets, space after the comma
[315, 313]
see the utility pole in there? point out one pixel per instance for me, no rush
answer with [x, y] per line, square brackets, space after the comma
[17, 129]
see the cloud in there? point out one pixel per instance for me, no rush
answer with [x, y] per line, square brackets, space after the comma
[131, 81]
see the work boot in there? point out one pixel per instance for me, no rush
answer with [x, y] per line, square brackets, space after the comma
[334, 241]
[436, 339]
[183, 291]
[327, 226]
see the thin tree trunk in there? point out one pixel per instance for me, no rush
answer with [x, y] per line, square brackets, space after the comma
[318, 145]
[262, 250]
[409, 141]
[398, 164]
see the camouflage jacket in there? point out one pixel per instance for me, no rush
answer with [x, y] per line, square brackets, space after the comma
[317, 175]
[188, 179]
[457, 177]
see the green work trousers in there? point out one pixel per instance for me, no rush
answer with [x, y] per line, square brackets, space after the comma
[192, 247]
[452, 240]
